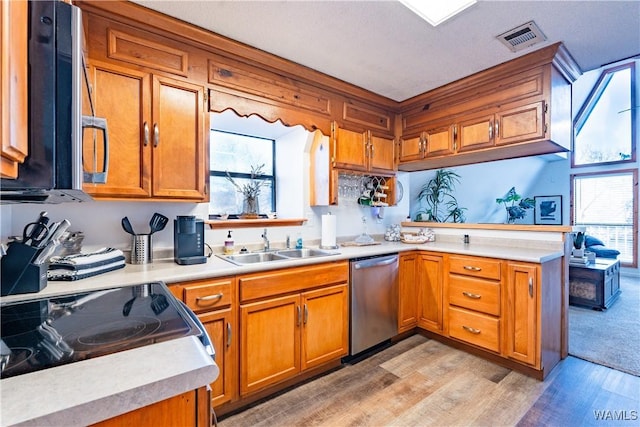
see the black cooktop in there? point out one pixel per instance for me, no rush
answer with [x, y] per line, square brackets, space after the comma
[48, 332]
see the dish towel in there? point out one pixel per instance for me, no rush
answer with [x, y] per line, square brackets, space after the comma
[81, 266]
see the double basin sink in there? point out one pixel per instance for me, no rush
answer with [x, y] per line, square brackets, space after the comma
[277, 255]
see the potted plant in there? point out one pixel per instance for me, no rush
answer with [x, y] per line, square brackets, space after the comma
[515, 205]
[250, 192]
[437, 196]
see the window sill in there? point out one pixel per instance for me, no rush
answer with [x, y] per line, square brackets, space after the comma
[249, 223]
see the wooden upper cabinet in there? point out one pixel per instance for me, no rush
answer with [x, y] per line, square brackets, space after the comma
[178, 141]
[350, 149]
[439, 140]
[13, 92]
[520, 124]
[362, 151]
[123, 97]
[381, 154]
[500, 113]
[156, 135]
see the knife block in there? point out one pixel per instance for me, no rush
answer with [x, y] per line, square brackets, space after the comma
[19, 274]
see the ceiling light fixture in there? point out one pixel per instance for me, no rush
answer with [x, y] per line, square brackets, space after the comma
[436, 12]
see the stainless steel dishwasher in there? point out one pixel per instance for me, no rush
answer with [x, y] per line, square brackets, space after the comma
[374, 301]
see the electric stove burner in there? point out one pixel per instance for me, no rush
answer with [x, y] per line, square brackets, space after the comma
[48, 332]
[118, 331]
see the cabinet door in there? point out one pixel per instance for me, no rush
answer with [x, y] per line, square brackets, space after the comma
[13, 92]
[123, 97]
[269, 342]
[476, 132]
[411, 148]
[521, 313]
[220, 326]
[439, 141]
[381, 154]
[408, 292]
[430, 275]
[178, 139]
[349, 149]
[325, 320]
[524, 123]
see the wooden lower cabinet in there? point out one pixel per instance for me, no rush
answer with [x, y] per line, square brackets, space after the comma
[512, 310]
[186, 409]
[215, 303]
[408, 290]
[430, 269]
[521, 314]
[283, 336]
[420, 284]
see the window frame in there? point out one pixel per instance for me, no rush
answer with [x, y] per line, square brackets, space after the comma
[592, 100]
[634, 194]
[247, 175]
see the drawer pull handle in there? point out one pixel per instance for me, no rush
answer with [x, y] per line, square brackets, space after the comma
[215, 297]
[470, 295]
[470, 329]
[228, 334]
[472, 268]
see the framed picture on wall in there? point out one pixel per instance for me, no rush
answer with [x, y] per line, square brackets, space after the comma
[548, 210]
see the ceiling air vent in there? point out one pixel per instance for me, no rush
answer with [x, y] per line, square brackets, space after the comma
[522, 37]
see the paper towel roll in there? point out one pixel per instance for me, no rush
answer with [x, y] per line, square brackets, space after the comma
[328, 232]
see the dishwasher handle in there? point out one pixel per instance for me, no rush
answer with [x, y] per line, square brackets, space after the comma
[375, 262]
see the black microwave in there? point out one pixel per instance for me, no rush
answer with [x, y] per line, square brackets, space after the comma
[53, 170]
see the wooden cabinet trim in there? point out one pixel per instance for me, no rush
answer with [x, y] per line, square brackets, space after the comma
[367, 117]
[140, 51]
[225, 72]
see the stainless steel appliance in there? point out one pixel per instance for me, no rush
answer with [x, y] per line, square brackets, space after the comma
[48, 332]
[188, 240]
[374, 301]
[53, 170]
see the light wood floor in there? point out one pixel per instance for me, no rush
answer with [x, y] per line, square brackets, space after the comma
[421, 382]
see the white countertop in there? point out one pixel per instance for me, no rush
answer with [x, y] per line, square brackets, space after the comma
[92, 390]
[95, 389]
[168, 271]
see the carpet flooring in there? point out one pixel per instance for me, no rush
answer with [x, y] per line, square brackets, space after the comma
[610, 337]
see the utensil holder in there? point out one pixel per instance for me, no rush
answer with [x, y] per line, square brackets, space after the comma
[19, 274]
[141, 249]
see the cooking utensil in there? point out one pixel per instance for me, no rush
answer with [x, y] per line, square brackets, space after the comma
[52, 242]
[159, 303]
[127, 307]
[157, 222]
[34, 233]
[126, 225]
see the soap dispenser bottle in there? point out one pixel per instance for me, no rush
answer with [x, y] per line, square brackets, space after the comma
[228, 244]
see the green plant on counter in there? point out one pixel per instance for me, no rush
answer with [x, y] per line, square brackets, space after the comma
[440, 205]
[515, 205]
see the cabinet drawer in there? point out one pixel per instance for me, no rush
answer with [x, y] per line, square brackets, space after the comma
[208, 296]
[474, 328]
[290, 280]
[475, 294]
[476, 267]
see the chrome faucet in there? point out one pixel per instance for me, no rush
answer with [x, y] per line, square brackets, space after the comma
[266, 240]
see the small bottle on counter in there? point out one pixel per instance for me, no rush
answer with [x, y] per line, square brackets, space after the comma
[228, 244]
[299, 241]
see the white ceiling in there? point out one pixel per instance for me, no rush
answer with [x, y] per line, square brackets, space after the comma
[381, 46]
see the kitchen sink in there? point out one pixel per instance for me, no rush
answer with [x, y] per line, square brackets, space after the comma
[303, 253]
[253, 258]
[279, 255]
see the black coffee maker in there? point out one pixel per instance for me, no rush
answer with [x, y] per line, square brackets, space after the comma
[188, 240]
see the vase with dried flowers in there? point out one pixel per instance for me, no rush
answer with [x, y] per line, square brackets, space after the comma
[250, 192]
